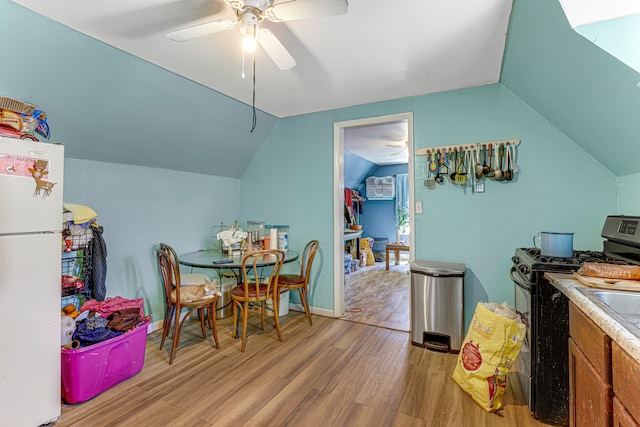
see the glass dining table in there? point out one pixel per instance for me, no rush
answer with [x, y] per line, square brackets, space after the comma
[225, 264]
[215, 259]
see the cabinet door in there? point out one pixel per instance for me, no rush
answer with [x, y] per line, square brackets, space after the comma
[621, 417]
[626, 386]
[590, 398]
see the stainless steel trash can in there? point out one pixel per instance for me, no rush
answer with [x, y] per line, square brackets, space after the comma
[437, 305]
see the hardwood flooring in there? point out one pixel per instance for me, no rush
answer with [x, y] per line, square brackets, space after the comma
[379, 297]
[335, 373]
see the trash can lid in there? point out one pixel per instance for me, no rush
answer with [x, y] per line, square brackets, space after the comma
[438, 268]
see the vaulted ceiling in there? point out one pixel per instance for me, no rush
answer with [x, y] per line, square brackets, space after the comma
[117, 90]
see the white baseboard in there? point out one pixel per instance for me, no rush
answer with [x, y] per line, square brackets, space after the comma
[157, 325]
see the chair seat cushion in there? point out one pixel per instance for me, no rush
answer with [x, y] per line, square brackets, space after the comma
[290, 279]
[239, 291]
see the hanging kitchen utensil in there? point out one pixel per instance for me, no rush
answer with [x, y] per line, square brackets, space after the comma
[439, 179]
[471, 167]
[485, 166]
[430, 183]
[497, 172]
[508, 174]
[479, 168]
[514, 162]
[433, 164]
[490, 173]
[461, 175]
[455, 165]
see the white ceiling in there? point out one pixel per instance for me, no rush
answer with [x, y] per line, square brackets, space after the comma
[382, 144]
[379, 50]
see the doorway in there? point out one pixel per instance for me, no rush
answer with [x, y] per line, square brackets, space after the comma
[340, 130]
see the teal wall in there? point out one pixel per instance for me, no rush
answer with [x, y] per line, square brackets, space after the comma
[108, 105]
[620, 37]
[291, 181]
[579, 88]
[629, 202]
[140, 207]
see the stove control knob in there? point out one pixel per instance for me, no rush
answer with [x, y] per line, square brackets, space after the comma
[525, 269]
[515, 260]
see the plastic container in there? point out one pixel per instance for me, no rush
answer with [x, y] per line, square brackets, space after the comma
[88, 371]
[282, 233]
[256, 226]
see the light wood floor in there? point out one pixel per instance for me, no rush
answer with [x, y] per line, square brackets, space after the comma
[379, 297]
[335, 373]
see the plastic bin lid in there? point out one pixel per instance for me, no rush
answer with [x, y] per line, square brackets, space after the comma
[438, 268]
[276, 226]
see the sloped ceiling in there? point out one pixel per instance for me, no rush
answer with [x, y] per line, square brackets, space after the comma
[378, 50]
[582, 90]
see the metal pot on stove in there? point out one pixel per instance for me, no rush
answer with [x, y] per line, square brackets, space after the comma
[553, 244]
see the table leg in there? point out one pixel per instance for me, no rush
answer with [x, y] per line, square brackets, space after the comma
[387, 257]
[397, 259]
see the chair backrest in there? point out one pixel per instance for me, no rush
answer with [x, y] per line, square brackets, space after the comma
[254, 265]
[169, 271]
[308, 255]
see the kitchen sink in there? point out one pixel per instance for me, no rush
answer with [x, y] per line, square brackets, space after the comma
[622, 306]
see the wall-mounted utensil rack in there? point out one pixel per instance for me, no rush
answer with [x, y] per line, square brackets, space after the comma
[462, 164]
[465, 147]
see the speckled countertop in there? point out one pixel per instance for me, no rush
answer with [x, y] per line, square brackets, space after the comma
[617, 331]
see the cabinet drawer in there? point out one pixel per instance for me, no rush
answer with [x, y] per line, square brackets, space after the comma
[626, 385]
[592, 340]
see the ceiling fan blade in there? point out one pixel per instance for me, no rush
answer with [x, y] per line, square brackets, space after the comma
[276, 50]
[200, 30]
[302, 9]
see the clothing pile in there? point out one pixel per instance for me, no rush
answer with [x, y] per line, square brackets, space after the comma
[77, 225]
[82, 236]
[100, 321]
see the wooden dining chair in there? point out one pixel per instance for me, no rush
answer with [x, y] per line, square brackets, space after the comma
[176, 300]
[256, 287]
[300, 282]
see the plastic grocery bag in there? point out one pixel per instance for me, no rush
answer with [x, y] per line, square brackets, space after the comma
[488, 351]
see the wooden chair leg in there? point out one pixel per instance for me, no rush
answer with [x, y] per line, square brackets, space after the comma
[245, 318]
[201, 315]
[234, 311]
[304, 297]
[212, 322]
[166, 325]
[276, 315]
[176, 334]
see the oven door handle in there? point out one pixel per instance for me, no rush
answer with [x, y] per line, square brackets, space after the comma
[518, 279]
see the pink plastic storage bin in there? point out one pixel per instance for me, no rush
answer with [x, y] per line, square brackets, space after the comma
[88, 371]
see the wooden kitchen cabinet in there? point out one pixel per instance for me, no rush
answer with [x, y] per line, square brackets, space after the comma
[622, 417]
[590, 391]
[626, 387]
[590, 396]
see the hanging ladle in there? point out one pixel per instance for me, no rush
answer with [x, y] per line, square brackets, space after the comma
[485, 167]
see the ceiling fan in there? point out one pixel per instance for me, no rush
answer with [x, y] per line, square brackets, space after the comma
[403, 147]
[250, 13]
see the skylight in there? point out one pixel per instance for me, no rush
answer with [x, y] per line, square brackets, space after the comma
[612, 25]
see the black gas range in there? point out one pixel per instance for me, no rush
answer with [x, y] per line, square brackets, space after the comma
[543, 360]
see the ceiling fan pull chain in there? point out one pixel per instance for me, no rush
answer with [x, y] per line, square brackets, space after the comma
[253, 104]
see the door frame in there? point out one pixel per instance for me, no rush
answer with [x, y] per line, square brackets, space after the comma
[338, 197]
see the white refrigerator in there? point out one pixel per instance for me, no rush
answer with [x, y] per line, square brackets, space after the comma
[31, 182]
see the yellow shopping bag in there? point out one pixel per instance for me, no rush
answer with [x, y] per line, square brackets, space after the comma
[488, 352]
